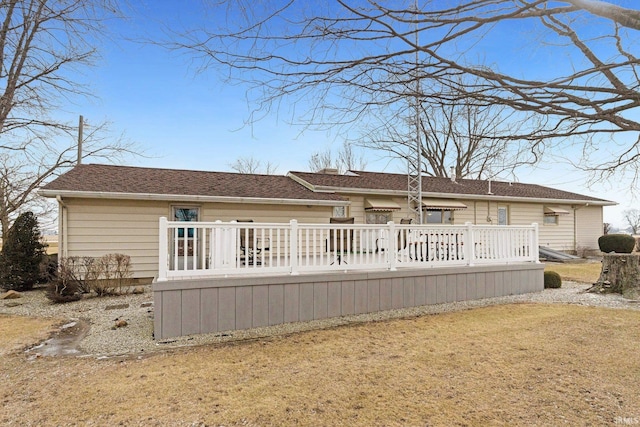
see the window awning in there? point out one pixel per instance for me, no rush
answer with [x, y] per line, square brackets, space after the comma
[444, 204]
[549, 210]
[380, 205]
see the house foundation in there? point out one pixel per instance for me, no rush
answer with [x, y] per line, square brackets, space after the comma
[206, 305]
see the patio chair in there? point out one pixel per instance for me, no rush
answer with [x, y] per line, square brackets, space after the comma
[381, 242]
[247, 244]
[418, 244]
[340, 241]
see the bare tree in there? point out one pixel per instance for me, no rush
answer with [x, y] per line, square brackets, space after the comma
[347, 61]
[251, 165]
[43, 44]
[466, 138]
[345, 159]
[320, 160]
[632, 216]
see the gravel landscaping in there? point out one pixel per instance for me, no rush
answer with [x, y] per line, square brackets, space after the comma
[103, 338]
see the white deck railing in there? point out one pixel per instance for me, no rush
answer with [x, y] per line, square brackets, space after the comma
[198, 249]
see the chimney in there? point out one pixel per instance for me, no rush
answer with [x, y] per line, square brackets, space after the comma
[489, 192]
[329, 171]
[453, 174]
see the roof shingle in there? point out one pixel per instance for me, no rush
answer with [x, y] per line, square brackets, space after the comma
[360, 180]
[93, 178]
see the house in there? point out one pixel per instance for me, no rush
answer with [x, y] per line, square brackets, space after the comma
[568, 221]
[106, 209]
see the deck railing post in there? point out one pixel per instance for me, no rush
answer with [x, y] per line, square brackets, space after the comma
[163, 250]
[534, 244]
[293, 246]
[392, 250]
[469, 244]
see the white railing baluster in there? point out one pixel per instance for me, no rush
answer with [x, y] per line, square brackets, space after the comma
[230, 248]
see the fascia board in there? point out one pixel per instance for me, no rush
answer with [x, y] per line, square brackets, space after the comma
[488, 197]
[189, 198]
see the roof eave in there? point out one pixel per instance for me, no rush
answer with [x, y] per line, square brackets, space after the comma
[188, 198]
[396, 193]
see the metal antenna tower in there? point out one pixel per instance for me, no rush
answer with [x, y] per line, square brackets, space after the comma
[414, 160]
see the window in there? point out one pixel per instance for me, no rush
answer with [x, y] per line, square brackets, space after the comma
[186, 214]
[552, 215]
[503, 215]
[339, 211]
[378, 217]
[438, 216]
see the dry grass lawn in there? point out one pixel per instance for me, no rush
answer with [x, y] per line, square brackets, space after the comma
[521, 364]
[588, 272]
[17, 332]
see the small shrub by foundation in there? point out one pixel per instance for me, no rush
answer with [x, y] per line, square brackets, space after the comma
[66, 285]
[108, 275]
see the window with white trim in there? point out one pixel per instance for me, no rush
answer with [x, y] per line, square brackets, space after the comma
[186, 214]
[378, 217]
[503, 215]
[438, 216]
[339, 211]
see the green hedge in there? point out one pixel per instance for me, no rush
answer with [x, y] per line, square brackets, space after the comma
[618, 243]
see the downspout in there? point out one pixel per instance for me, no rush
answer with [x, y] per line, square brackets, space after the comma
[475, 212]
[62, 228]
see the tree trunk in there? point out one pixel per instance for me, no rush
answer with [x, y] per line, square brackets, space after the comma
[620, 274]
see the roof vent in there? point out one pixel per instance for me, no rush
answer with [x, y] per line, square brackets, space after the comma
[489, 191]
[453, 174]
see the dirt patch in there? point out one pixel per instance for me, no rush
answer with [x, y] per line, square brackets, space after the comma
[521, 364]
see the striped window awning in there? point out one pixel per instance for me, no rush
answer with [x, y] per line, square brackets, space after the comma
[549, 210]
[443, 204]
[380, 205]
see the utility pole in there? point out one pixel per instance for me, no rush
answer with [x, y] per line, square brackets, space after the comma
[80, 138]
[414, 174]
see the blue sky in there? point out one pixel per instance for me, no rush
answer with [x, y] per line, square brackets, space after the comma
[190, 120]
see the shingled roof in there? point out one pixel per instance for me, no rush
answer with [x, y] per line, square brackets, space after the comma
[109, 180]
[355, 181]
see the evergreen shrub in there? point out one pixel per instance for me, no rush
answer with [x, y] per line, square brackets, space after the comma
[618, 243]
[22, 254]
[552, 280]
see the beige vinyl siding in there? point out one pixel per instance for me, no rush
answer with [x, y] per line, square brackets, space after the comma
[588, 227]
[100, 226]
[264, 213]
[465, 215]
[558, 236]
[525, 213]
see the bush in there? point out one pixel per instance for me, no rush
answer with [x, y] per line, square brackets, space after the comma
[618, 243]
[21, 255]
[110, 273]
[107, 275]
[48, 268]
[552, 280]
[66, 286]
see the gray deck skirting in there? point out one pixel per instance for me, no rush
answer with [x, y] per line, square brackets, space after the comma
[198, 306]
